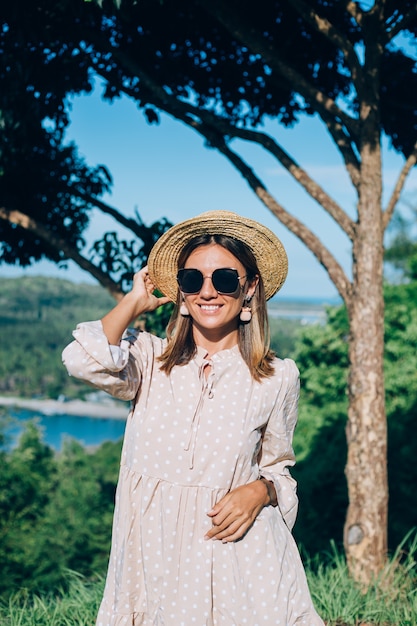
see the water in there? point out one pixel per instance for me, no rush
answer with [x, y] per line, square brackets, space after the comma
[305, 310]
[88, 431]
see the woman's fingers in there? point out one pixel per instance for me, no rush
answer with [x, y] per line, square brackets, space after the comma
[235, 513]
[231, 528]
[143, 287]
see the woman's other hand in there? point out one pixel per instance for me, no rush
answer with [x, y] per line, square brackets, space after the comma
[235, 513]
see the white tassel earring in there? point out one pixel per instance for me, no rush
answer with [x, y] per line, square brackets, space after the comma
[183, 310]
[246, 313]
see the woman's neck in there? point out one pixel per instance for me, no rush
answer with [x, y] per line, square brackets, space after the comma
[213, 344]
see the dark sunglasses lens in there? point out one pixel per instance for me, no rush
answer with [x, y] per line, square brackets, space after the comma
[225, 280]
[190, 281]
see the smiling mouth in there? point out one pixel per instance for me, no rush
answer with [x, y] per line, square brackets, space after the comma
[210, 307]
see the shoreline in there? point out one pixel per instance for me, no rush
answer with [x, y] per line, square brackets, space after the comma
[77, 408]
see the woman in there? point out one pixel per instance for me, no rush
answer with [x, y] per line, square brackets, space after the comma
[205, 502]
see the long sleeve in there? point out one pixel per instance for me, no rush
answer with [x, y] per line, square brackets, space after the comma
[89, 358]
[277, 455]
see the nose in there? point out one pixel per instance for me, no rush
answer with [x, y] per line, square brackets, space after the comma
[207, 290]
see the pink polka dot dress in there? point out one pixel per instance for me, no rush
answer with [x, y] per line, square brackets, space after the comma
[190, 439]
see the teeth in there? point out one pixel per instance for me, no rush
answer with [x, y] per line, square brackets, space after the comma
[207, 307]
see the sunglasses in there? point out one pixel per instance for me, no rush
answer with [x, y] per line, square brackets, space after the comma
[225, 280]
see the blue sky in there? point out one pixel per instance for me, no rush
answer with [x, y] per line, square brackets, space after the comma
[165, 170]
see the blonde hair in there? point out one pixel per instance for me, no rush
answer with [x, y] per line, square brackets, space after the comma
[253, 337]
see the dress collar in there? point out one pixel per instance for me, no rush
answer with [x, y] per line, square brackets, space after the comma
[221, 355]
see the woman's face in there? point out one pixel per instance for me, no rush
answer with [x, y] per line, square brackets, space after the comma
[214, 314]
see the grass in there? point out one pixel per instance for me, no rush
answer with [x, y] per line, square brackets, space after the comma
[390, 601]
[78, 606]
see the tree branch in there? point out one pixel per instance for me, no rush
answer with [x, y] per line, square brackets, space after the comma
[323, 255]
[333, 117]
[299, 174]
[408, 165]
[27, 223]
[343, 143]
[127, 222]
[355, 11]
[326, 28]
[205, 122]
[296, 171]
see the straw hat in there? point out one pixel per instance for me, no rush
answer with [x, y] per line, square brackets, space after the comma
[269, 252]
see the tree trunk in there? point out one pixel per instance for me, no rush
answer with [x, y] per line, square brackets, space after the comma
[365, 533]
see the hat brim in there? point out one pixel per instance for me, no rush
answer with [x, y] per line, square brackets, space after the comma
[268, 250]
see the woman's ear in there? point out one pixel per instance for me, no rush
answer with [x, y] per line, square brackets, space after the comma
[252, 287]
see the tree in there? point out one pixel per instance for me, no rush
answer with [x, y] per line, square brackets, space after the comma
[322, 354]
[222, 69]
[56, 511]
[47, 215]
[26, 479]
[401, 252]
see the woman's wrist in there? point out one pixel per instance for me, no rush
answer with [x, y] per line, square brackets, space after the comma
[120, 317]
[271, 492]
[133, 307]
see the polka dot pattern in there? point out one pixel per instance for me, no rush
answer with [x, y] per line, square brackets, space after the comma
[189, 440]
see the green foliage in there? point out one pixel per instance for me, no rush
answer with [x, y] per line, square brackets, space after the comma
[44, 60]
[25, 483]
[401, 252]
[320, 441]
[120, 258]
[55, 512]
[37, 317]
[192, 52]
[74, 532]
[400, 346]
[321, 356]
[157, 321]
[391, 601]
[284, 333]
[76, 604]
[401, 395]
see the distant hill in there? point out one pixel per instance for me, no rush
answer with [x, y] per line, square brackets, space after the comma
[37, 315]
[41, 298]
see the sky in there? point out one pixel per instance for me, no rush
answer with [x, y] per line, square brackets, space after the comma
[165, 170]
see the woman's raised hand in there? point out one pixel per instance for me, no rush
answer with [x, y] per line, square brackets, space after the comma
[142, 291]
[140, 299]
